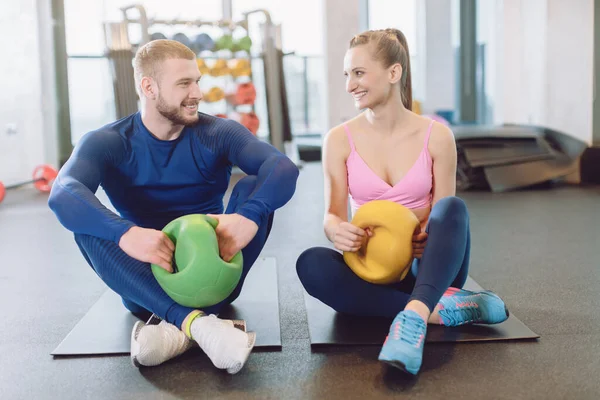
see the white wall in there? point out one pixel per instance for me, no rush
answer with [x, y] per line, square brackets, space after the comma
[569, 67]
[544, 64]
[521, 70]
[341, 22]
[27, 100]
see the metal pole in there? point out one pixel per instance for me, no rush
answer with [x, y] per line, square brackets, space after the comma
[272, 80]
[64, 145]
[467, 61]
[142, 20]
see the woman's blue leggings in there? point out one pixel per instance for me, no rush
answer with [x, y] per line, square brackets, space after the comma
[444, 263]
[134, 282]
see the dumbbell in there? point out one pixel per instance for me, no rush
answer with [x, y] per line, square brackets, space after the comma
[42, 178]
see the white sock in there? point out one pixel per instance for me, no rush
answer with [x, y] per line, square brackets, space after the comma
[226, 346]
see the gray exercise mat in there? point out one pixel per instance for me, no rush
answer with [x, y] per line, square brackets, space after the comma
[106, 328]
[327, 327]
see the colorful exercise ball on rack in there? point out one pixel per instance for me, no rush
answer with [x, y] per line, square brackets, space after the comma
[240, 67]
[202, 42]
[219, 68]
[214, 94]
[157, 36]
[249, 120]
[245, 94]
[242, 44]
[183, 39]
[202, 67]
[225, 42]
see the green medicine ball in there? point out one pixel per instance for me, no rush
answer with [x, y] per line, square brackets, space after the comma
[201, 278]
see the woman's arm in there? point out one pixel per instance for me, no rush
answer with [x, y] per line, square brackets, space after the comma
[442, 148]
[335, 151]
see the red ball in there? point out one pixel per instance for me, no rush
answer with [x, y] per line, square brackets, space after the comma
[2, 192]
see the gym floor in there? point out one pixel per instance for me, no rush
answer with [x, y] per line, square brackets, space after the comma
[538, 249]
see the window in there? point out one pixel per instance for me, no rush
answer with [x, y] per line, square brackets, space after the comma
[90, 79]
[301, 22]
[302, 40]
[91, 95]
[402, 15]
[84, 19]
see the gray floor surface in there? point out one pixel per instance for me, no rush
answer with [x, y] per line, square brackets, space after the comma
[539, 249]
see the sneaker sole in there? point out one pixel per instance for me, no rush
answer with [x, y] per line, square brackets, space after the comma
[135, 346]
[399, 365]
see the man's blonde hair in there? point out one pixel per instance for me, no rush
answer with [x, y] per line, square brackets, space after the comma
[150, 56]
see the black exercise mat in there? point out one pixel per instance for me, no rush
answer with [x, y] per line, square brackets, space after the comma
[106, 328]
[327, 327]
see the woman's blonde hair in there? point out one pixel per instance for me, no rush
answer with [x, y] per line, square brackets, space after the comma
[390, 47]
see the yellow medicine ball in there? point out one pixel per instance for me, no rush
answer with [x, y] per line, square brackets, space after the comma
[387, 256]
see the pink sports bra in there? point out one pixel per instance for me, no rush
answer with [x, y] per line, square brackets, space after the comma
[412, 191]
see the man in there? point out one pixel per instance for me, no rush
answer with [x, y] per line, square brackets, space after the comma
[159, 164]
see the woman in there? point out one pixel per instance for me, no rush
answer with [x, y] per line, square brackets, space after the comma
[390, 153]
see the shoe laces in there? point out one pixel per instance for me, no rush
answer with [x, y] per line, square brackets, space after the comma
[408, 329]
[464, 311]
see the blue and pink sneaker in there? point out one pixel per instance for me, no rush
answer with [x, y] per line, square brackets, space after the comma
[460, 307]
[403, 347]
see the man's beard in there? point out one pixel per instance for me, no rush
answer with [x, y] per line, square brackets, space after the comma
[175, 114]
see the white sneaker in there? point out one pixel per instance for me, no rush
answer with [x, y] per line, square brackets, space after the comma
[227, 347]
[157, 341]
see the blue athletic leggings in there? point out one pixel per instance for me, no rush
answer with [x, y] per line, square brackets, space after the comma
[444, 263]
[134, 282]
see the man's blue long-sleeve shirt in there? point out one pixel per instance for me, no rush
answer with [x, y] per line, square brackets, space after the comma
[150, 182]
